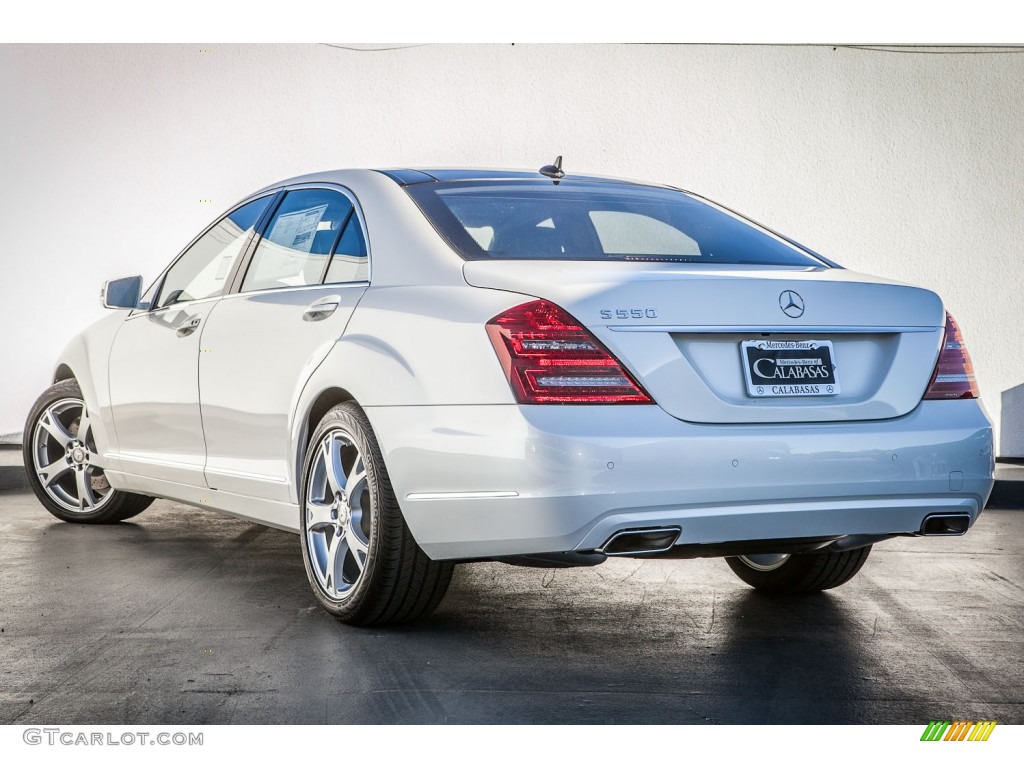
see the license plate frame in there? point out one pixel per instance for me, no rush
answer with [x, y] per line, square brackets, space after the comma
[808, 368]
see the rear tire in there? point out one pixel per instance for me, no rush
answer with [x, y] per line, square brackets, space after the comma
[361, 559]
[63, 464]
[794, 574]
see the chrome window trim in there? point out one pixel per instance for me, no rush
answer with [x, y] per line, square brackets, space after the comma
[358, 210]
[136, 313]
[250, 248]
[158, 282]
[294, 288]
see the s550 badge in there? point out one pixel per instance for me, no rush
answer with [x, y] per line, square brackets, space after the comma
[628, 314]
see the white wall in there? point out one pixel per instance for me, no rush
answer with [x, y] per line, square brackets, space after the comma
[902, 164]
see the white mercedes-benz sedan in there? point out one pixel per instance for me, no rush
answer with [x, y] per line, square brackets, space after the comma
[413, 368]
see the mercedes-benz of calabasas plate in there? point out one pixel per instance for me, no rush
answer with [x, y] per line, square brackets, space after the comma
[417, 368]
[788, 368]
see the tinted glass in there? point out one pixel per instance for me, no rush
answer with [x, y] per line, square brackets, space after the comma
[349, 263]
[594, 221]
[203, 269]
[298, 241]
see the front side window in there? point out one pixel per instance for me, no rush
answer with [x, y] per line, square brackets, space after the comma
[594, 221]
[203, 269]
[304, 231]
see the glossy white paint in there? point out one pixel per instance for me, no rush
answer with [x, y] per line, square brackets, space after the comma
[87, 356]
[582, 472]
[257, 353]
[478, 475]
[702, 295]
[154, 391]
[886, 336]
[276, 514]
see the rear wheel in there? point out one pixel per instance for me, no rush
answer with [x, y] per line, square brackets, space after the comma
[63, 464]
[361, 559]
[791, 574]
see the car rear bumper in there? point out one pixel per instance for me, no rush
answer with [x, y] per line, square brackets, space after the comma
[490, 481]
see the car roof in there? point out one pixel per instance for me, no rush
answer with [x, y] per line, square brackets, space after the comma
[409, 176]
[406, 177]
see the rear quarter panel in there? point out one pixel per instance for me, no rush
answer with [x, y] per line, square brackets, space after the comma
[411, 346]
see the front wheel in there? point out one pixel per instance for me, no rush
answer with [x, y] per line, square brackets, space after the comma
[791, 574]
[65, 468]
[360, 557]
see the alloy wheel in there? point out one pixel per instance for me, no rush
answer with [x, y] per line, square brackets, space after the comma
[65, 458]
[338, 514]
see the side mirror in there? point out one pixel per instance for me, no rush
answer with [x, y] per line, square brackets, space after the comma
[123, 293]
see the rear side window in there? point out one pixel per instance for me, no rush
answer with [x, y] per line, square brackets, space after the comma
[299, 240]
[349, 263]
[594, 221]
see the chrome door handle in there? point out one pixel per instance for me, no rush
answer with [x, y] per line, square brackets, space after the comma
[321, 308]
[189, 326]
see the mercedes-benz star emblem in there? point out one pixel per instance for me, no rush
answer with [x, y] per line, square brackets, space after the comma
[792, 303]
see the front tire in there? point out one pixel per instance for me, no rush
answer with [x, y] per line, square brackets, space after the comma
[794, 574]
[63, 464]
[361, 559]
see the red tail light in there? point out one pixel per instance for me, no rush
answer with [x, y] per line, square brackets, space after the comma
[954, 374]
[550, 358]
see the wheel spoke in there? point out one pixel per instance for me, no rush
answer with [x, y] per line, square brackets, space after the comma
[318, 515]
[53, 426]
[52, 472]
[355, 477]
[84, 425]
[335, 559]
[356, 546]
[332, 461]
[85, 497]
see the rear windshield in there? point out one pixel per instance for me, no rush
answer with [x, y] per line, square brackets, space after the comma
[528, 219]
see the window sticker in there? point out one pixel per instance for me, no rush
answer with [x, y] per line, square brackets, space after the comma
[296, 230]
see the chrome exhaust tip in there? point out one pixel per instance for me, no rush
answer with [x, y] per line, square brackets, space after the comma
[641, 541]
[955, 524]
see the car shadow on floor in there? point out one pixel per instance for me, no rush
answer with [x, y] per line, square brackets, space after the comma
[673, 653]
[197, 618]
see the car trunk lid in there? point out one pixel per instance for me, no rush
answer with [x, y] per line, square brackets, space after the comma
[681, 330]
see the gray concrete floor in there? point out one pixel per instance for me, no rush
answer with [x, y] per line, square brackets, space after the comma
[184, 616]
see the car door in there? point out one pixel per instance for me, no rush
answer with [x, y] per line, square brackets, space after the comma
[154, 360]
[261, 343]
